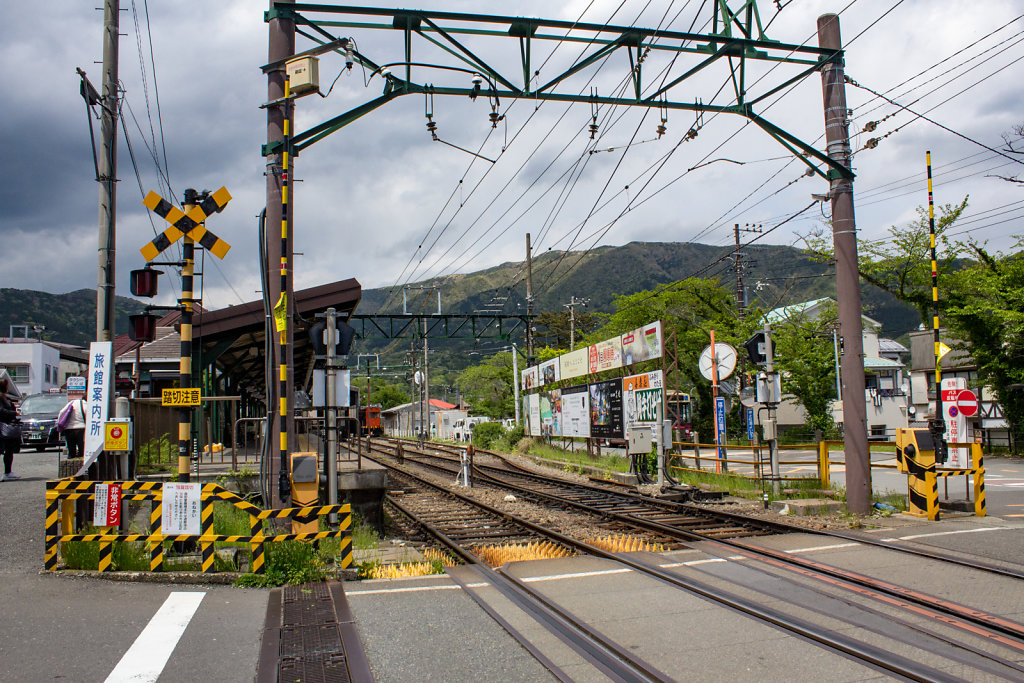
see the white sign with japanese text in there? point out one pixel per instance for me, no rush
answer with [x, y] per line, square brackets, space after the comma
[181, 507]
[97, 397]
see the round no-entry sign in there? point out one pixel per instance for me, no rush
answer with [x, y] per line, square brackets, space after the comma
[967, 402]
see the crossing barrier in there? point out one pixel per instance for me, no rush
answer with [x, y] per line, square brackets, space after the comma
[60, 504]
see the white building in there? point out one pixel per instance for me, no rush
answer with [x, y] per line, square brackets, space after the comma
[33, 365]
[885, 380]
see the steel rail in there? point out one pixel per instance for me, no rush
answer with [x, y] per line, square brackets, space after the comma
[997, 629]
[875, 657]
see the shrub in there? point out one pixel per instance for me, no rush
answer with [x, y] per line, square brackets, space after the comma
[486, 433]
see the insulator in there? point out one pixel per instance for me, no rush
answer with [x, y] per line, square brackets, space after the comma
[432, 127]
[870, 126]
[661, 128]
[872, 143]
[691, 134]
[494, 117]
[593, 128]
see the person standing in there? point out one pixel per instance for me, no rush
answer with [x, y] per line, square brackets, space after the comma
[10, 429]
[71, 422]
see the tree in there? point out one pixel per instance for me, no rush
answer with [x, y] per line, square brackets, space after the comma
[981, 302]
[488, 386]
[805, 358]
[388, 396]
[554, 329]
[691, 308]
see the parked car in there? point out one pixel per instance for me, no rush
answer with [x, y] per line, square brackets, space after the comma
[39, 420]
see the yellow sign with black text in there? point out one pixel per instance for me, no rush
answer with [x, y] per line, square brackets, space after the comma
[117, 435]
[180, 397]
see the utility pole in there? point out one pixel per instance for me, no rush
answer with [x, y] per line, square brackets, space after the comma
[330, 410]
[573, 302]
[740, 298]
[108, 175]
[426, 384]
[281, 45]
[769, 391]
[515, 379]
[844, 236]
[529, 303]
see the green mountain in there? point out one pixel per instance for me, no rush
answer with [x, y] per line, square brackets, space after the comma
[773, 275]
[69, 318]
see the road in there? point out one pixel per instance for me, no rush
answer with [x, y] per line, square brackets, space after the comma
[83, 629]
[1004, 476]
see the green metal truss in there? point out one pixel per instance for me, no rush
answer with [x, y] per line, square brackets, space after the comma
[737, 36]
[438, 326]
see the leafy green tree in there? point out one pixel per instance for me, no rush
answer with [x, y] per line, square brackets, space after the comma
[488, 386]
[805, 359]
[554, 329]
[388, 396]
[981, 302]
[691, 309]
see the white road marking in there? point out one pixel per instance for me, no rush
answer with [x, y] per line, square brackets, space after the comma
[415, 589]
[945, 533]
[576, 575]
[822, 547]
[148, 655]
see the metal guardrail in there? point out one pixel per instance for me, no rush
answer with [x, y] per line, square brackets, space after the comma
[60, 510]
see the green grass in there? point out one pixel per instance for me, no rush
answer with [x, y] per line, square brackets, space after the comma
[287, 562]
[364, 536]
[569, 459]
[125, 556]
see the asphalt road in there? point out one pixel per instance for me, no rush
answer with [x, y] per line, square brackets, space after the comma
[1004, 476]
[79, 629]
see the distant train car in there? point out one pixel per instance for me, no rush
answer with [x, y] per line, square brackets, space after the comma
[369, 417]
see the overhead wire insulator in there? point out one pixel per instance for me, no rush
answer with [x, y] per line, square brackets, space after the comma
[593, 114]
[594, 127]
[428, 111]
[350, 57]
[662, 128]
[872, 143]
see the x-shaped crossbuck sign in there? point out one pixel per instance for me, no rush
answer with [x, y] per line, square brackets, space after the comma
[189, 224]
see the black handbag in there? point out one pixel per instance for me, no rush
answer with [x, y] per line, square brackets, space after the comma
[10, 431]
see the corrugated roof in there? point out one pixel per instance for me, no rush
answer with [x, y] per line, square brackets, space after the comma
[881, 363]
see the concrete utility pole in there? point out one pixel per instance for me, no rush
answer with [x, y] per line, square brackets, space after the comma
[108, 176]
[529, 303]
[281, 46]
[573, 302]
[844, 236]
[515, 378]
[740, 298]
[330, 409]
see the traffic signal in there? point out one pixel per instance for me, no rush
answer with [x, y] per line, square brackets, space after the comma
[756, 350]
[346, 333]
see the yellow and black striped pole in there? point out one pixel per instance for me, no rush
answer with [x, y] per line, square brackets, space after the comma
[185, 363]
[52, 532]
[281, 309]
[256, 544]
[156, 549]
[206, 528]
[938, 424]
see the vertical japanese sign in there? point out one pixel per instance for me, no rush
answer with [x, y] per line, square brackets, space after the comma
[97, 396]
[720, 424]
[956, 423]
[181, 507]
[106, 510]
[750, 424]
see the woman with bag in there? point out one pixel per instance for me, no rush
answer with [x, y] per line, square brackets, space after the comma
[71, 421]
[10, 429]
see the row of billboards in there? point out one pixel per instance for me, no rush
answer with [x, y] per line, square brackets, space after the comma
[643, 343]
[608, 409]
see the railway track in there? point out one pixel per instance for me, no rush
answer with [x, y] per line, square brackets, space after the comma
[873, 596]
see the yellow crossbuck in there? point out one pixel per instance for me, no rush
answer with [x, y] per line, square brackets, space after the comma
[186, 224]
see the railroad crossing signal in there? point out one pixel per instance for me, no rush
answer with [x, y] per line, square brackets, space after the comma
[189, 224]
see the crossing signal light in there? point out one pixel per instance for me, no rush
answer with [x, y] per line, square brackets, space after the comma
[346, 333]
[144, 282]
[142, 327]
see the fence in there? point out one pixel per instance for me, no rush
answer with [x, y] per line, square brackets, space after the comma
[60, 505]
[759, 459]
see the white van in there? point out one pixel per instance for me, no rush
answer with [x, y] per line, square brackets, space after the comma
[463, 429]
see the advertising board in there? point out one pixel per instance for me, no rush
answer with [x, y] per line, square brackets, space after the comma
[529, 378]
[533, 413]
[644, 343]
[551, 412]
[549, 372]
[642, 400]
[575, 363]
[606, 409]
[606, 355]
[576, 411]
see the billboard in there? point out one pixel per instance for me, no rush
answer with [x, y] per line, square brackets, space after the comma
[576, 411]
[549, 372]
[642, 344]
[575, 363]
[642, 399]
[532, 413]
[606, 355]
[529, 378]
[606, 409]
[551, 412]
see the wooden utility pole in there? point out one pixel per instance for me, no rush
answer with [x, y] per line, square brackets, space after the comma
[844, 236]
[529, 303]
[107, 165]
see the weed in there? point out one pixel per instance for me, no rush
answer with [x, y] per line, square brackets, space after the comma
[364, 536]
[290, 562]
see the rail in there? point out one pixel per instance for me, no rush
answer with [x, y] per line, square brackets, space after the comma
[60, 522]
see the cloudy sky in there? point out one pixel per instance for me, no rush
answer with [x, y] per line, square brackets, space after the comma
[382, 202]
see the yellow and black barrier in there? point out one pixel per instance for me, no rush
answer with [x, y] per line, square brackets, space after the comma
[915, 456]
[60, 524]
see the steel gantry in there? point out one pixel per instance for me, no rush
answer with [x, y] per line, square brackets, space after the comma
[737, 41]
[737, 37]
[438, 326]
